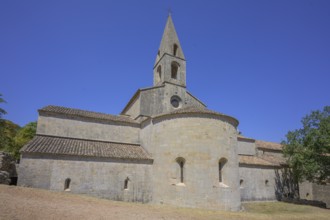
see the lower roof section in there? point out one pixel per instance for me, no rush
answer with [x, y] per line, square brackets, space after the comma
[256, 161]
[42, 144]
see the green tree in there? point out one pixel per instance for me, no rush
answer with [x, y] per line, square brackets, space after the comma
[23, 136]
[2, 111]
[308, 149]
[8, 131]
[12, 137]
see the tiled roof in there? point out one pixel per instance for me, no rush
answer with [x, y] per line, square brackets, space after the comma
[195, 109]
[78, 147]
[253, 160]
[274, 159]
[268, 145]
[86, 114]
[241, 137]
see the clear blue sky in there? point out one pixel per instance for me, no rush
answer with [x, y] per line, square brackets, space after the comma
[267, 63]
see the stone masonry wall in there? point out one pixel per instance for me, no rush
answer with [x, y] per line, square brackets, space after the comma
[73, 128]
[202, 141]
[257, 183]
[7, 168]
[316, 192]
[102, 178]
[246, 148]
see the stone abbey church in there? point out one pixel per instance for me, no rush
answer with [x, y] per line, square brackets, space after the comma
[165, 147]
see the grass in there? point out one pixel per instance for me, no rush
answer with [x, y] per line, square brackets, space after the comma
[28, 203]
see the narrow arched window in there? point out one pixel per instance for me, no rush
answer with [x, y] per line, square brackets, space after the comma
[181, 161]
[241, 182]
[221, 166]
[126, 183]
[181, 171]
[174, 70]
[159, 71]
[175, 49]
[67, 184]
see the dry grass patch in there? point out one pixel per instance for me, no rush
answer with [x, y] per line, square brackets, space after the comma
[28, 203]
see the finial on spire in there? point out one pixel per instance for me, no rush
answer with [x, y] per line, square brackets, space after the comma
[169, 10]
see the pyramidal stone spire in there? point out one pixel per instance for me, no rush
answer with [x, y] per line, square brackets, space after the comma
[170, 65]
[170, 42]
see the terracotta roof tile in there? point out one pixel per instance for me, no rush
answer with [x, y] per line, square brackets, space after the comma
[89, 148]
[268, 145]
[86, 114]
[253, 160]
[274, 159]
[196, 109]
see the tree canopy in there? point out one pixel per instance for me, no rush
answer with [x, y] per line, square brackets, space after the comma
[24, 135]
[14, 137]
[308, 148]
[2, 111]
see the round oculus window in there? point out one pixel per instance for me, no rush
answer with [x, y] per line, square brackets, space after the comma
[175, 101]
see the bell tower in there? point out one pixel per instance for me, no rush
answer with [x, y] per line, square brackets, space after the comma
[170, 65]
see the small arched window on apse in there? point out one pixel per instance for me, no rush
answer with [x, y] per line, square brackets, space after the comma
[241, 182]
[221, 165]
[158, 54]
[126, 183]
[174, 70]
[181, 161]
[67, 184]
[175, 49]
[266, 182]
[159, 71]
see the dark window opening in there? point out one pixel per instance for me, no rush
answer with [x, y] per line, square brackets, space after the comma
[126, 183]
[222, 163]
[241, 182]
[181, 171]
[175, 49]
[159, 71]
[174, 70]
[266, 182]
[181, 162]
[220, 174]
[67, 184]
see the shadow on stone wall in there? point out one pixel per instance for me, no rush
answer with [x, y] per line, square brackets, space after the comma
[316, 203]
[285, 186]
[287, 190]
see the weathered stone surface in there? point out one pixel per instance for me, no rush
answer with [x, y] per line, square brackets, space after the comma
[7, 168]
[201, 140]
[4, 177]
[102, 177]
[315, 192]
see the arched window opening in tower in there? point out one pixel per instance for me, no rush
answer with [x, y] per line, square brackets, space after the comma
[174, 70]
[159, 71]
[67, 184]
[181, 161]
[221, 166]
[175, 49]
